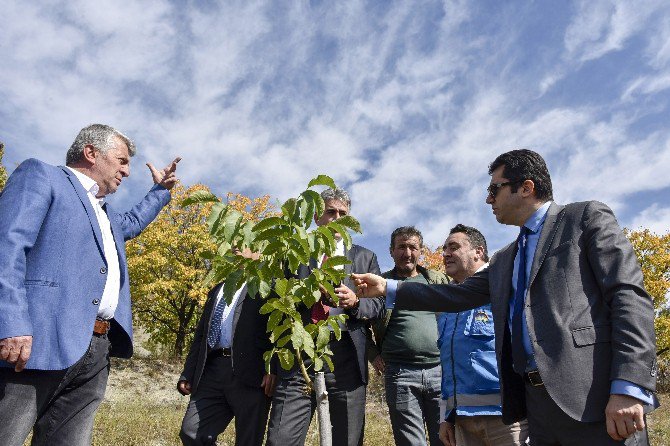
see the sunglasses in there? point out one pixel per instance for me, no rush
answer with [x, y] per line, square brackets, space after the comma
[495, 187]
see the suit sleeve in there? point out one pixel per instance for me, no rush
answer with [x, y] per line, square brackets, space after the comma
[370, 308]
[192, 357]
[619, 277]
[471, 293]
[138, 218]
[24, 205]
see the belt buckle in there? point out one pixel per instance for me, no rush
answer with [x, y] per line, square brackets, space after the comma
[226, 352]
[534, 378]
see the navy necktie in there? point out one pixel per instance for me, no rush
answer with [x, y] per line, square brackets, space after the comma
[518, 350]
[215, 327]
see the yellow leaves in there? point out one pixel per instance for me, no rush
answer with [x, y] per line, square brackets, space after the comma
[3, 171]
[653, 252]
[251, 209]
[432, 259]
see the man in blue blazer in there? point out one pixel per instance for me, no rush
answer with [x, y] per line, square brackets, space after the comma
[64, 292]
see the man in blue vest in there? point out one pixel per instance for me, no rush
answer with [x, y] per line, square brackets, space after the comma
[471, 415]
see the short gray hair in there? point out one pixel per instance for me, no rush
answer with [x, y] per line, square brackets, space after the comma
[336, 194]
[99, 136]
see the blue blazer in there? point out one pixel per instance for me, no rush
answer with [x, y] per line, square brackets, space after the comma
[52, 264]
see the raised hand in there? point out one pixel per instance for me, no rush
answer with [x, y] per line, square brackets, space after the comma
[165, 177]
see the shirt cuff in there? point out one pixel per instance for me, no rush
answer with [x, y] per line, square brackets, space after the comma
[443, 410]
[391, 288]
[623, 387]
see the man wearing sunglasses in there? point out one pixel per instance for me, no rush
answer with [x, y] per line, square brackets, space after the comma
[574, 329]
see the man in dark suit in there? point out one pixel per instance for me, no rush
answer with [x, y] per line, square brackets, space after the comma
[574, 330]
[292, 409]
[224, 371]
[64, 291]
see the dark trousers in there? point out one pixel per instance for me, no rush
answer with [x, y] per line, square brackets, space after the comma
[550, 426]
[219, 398]
[292, 409]
[58, 405]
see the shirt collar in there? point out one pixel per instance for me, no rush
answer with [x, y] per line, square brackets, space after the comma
[88, 184]
[483, 267]
[535, 222]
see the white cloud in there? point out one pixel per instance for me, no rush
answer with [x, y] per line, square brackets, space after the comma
[405, 104]
[656, 218]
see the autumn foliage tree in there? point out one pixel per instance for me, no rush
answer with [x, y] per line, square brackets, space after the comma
[653, 252]
[432, 258]
[3, 171]
[167, 267]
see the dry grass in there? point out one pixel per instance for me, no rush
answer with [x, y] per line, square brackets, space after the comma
[143, 408]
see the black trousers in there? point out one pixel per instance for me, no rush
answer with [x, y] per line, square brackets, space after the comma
[219, 398]
[550, 426]
[292, 409]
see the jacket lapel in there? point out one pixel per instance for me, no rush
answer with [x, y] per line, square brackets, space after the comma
[238, 311]
[500, 274]
[83, 197]
[549, 229]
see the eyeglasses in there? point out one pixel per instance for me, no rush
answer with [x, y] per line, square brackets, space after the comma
[495, 187]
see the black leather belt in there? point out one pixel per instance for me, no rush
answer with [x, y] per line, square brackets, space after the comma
[220, 352]
[534, 378]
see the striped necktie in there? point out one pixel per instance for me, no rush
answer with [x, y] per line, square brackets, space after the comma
[215, 327]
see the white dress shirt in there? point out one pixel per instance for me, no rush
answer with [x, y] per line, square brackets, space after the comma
[110, 296]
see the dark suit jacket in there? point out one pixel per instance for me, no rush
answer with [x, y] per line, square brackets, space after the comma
[589, 318]
[362, 261]
[250, 341]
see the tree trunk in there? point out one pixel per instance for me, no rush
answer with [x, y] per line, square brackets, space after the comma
[323, 410]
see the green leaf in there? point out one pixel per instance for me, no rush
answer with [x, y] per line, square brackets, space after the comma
[344, 233]
[299, 250]
[269, 306]
[268, 223]
[288, 208]
[270, 234]
[199, 196]
[307, 342]
[284, 340]
[329, 361]
[267, 357]
[334, 323]
[253, 284]
[278, 331]
[286, 358]
[297, 335]
[231, 221]
[323, 338]
[215, 216]
[265, 289]
[322, 180]
[327, 236]
[274, 319]
[318, 364]
[230, 286]
[332, 262]
[281, 287]
[351, 223]
[315, 197]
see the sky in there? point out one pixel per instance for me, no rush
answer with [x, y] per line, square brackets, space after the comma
[404, 104]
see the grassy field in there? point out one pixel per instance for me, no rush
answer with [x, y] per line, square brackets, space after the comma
[142, 408]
